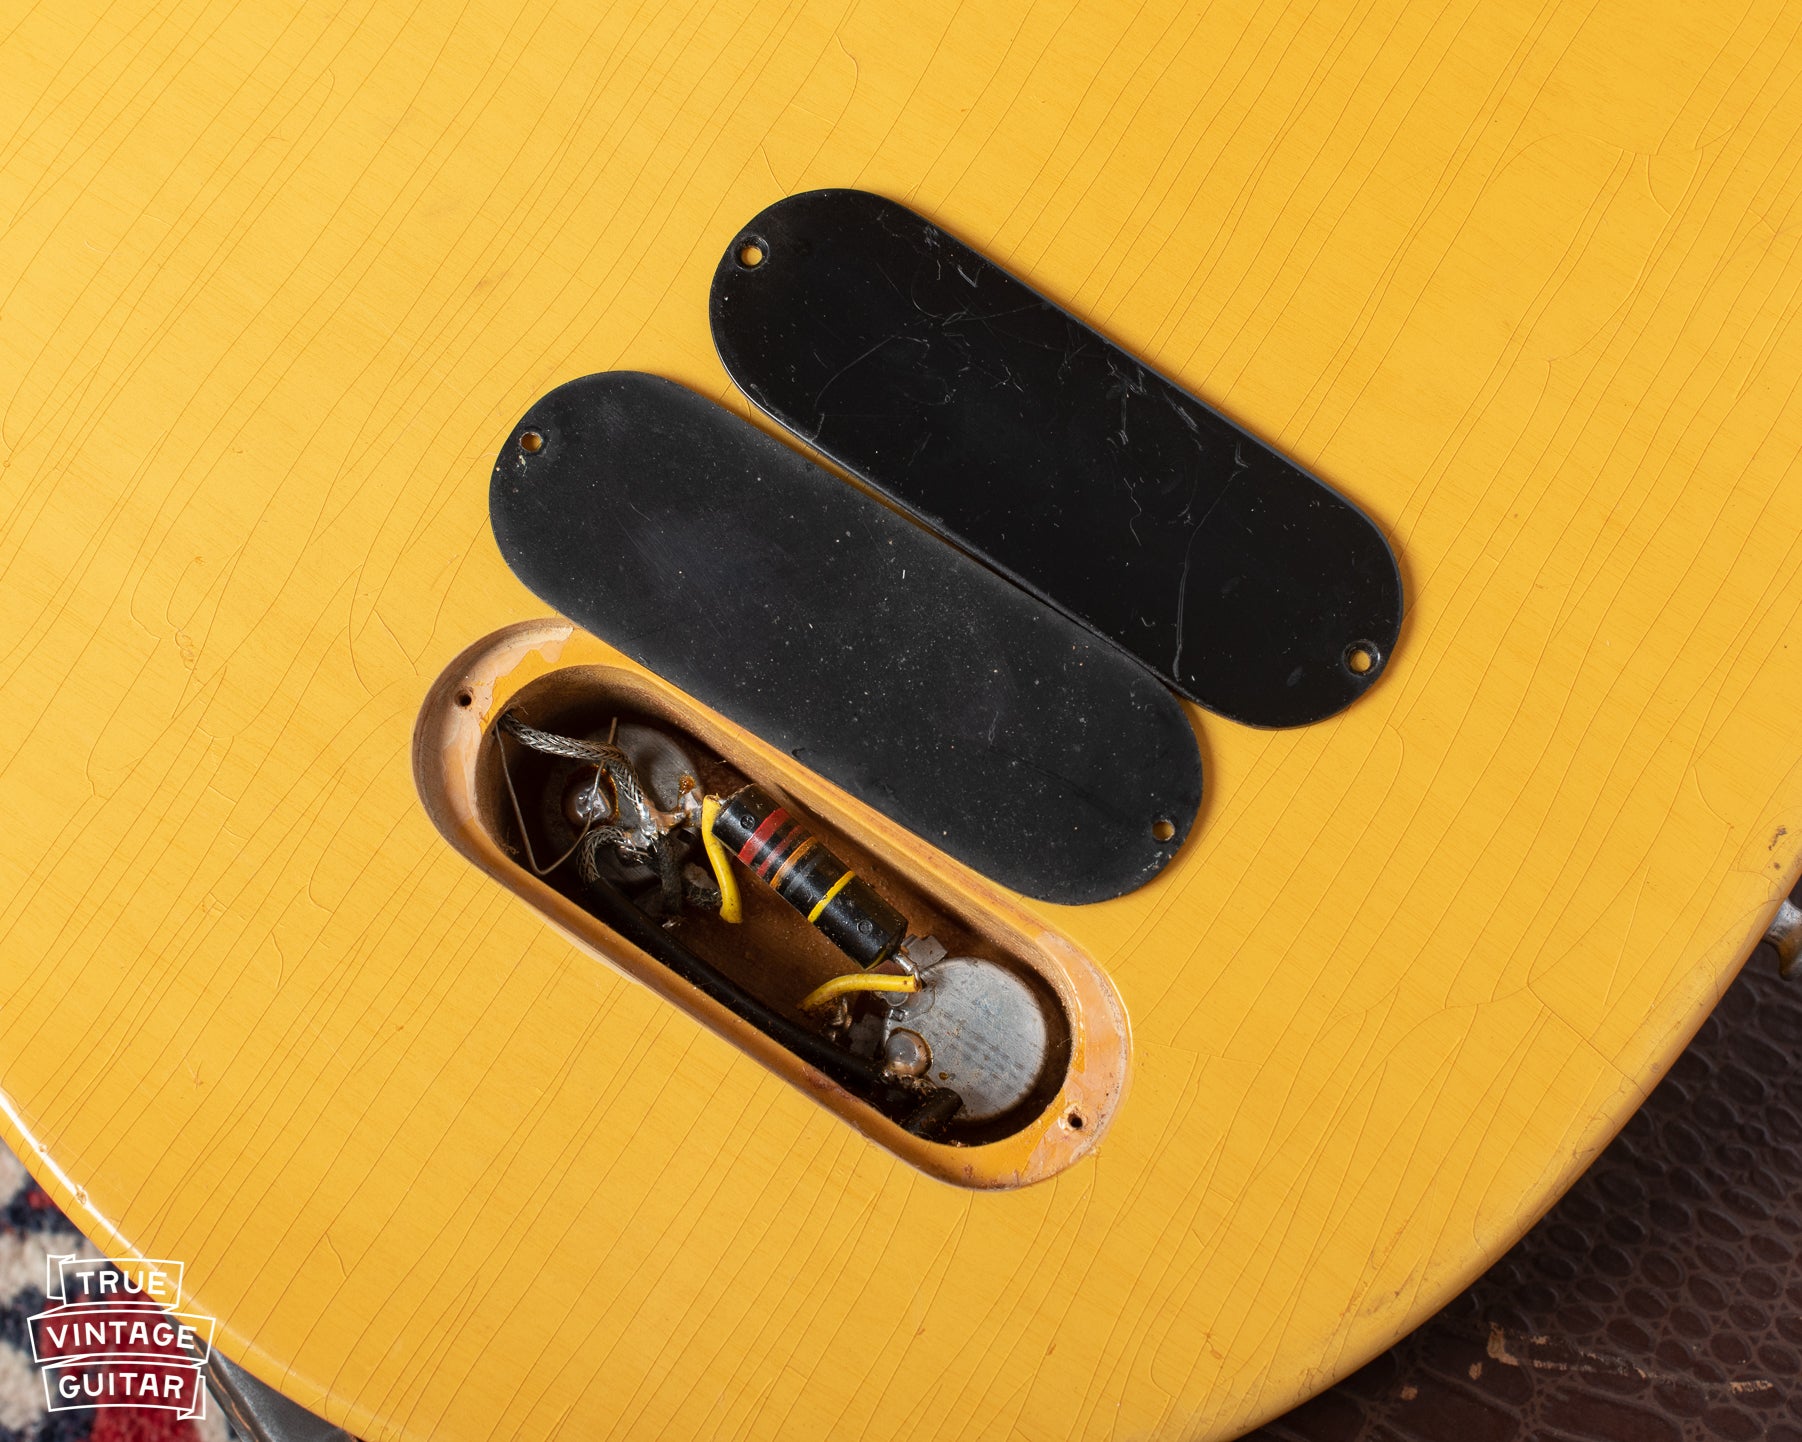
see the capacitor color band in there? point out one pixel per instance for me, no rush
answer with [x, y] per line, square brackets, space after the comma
[779, 849]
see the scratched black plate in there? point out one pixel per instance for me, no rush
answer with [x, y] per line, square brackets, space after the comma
[1010, 427]
[839, 631]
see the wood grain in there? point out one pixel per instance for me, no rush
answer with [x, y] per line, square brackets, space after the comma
[275, 279]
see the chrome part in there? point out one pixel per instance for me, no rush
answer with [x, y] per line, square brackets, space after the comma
[905, 1053]
[586, 800]
[913, 954]
[1785, 935]
[921, 951]
[985, 1029]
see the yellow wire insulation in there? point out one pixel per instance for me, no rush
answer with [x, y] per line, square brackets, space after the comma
[857, 981]
[826, 900]
[730, 910]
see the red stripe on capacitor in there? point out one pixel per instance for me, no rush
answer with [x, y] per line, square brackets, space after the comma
[756, 841]
[805, 873]
[780, 845]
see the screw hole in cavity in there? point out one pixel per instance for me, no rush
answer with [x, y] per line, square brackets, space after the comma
[531, 443]
[1074, 1121]
[1361, 658]
[752, 252]
[1163, 829]
[465, 699]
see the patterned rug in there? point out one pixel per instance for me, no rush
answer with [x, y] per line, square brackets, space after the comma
[31, 1228]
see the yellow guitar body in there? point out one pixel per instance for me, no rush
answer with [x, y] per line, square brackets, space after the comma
[276, 280]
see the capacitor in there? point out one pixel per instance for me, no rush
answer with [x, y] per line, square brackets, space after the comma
[779, 849]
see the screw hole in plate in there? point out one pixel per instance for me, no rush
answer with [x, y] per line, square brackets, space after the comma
[1361, 658]
[531, 443]
[1163, 829]
[752, 252]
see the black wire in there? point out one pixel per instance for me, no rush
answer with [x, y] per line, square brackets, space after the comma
[922, 1108]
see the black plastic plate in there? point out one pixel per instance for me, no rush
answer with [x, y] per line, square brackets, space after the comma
[1009, 426]
[826, 624]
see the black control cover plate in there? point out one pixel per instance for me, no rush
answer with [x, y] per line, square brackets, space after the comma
[837, 630]
[1009, 426]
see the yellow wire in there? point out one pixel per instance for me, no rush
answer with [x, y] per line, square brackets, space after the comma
[730, 910]
[857, 981]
